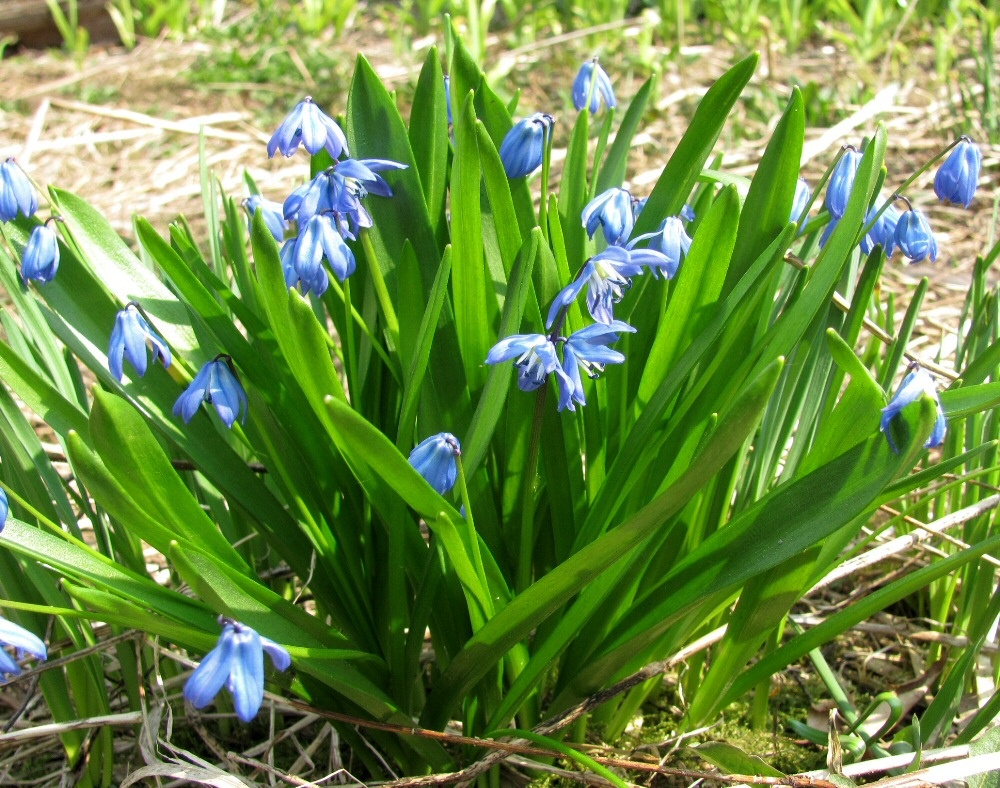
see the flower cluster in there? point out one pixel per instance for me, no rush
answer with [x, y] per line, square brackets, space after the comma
[606, 276]
[316, 221]
[236, 663]
[885, 226]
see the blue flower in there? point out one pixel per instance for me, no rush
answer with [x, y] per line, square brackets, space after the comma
[591, 85]
[272, 213]
[4, 508]
[23, 641]
[882, 232]
[320, 239]
[524, 146]
[128, 340]
[434, 459]
[536, 360]
[838, 190]
[587, 350]
[671, 241]
[606, 276]
[914, 237]
[957, 178]
[16, 192]
[217, 384]
[309, 126]
[917, 384]
[237, 662]
[41, 256]
[800, 202]
[612, 211]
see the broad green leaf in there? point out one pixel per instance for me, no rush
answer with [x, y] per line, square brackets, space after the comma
[682, 170]
[550, 592]
[428, 135]
[733, 760]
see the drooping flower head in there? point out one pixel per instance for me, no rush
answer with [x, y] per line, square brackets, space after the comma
[606, 276]
[613, 212]
[41, 256]
[917, 384]
[591, 86]
[23, 642]
[129, 339]
[535, 359]
[671, 241]
[914, 236]
[587, 350]
[271, 211]
[958, 177]
[237, 663]
[217, 384]
[16, 192]
[523, 148]
[320, 239]
[838, 190]
[882, 232]
[435, 459]
[309, 126]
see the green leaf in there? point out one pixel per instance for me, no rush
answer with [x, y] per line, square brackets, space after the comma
[428, 135]
[733, 760]
[682, 170]
[550, 592]
[768, 204]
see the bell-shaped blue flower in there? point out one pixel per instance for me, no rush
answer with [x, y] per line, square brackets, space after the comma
[272, 212]
[591, 86]
[309, 126]
[536, 359]
[217, 384]
[4, 508]
[41, 256]
[435, 460]
[587, 351]
[882, 232]
[612, 211]
[319, 240]
[16, 192]
[917, 384]
[23, 642]
[129, 339]
[671, 241]
[236, 663]
[803, 194]
[838, 190]
[914, 237]
[958, 177]
[523, 148]
[606, 276]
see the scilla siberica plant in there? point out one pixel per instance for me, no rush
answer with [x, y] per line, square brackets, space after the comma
[551, 545]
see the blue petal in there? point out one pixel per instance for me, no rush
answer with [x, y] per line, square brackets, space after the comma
[188, 403]
[4, 509]
[41, 256]
[838, 190]
[12, 634]
[246, 676]
[278, 653]
[213, 672]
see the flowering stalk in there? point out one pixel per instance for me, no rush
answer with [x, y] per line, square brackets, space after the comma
[381, 291]
[546, 163]
[527, 539]
[477, 556]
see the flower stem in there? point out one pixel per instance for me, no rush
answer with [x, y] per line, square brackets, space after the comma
[527, 541]
[543, 209]
[381, 291]
[477, 557]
